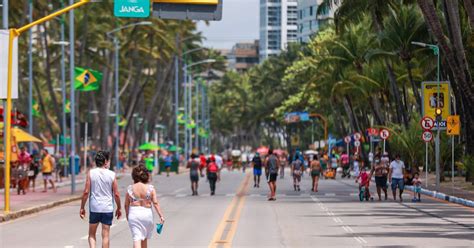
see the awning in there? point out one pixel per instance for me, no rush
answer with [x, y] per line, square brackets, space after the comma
[22, 136]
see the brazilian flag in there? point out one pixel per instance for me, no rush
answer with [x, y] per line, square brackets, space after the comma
[181, 119]
[67, 110]
[203, 133]
[190, 124]
[87, 79]
[35, 110]
[123, 122]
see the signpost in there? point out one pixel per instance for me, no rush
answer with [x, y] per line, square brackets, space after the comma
[208, 10]
[357, 137]
[427, 123]
[384, 134]
[347, 140]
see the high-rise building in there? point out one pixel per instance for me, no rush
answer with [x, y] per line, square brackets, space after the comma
[309, 22]
[243, 56]
[278, 26]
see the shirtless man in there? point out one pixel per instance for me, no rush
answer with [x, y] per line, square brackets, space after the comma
[315, 172]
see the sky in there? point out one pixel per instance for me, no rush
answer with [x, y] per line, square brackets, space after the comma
[240, 22]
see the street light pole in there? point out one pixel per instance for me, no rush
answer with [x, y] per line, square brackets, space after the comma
[435, 49]
[196, 133]
[176, 97]
[72, 97]
[30, 74]
[63, 81]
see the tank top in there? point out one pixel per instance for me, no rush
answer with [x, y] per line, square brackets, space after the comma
[194, 167]
[101, 195]
[272, 164]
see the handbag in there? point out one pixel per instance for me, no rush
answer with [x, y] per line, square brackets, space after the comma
[159, 228]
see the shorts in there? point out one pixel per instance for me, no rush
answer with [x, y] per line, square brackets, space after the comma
[315, 173]
[194, 178]
[257, 172]
[104, 218]
[398, 182]
[167, 165]
[272, 177]
[417, 189]
[381, 182]
[47, 176]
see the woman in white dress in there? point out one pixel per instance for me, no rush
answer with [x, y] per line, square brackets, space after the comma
[139, 200]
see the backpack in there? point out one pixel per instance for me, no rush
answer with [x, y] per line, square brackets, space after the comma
[212, 167]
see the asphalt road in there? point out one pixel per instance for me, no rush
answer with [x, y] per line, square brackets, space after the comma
[240, 216]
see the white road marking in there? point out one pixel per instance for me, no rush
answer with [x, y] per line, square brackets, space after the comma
[68, 246]
[178, 190]
[230, 195]
[180, 195]
[329, 194]
[358, 240]
[363, 240]
[85, 237]
[254, 195]
[354, 194]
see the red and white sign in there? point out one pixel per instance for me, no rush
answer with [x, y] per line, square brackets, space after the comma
[347, 139]
[427, 123]
[384, 134]
[373, 131]
[357, 136]
[356, 143]
[427, 136]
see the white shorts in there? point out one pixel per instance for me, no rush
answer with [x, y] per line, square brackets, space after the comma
[48, 176]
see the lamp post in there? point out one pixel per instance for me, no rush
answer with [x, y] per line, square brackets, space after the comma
[189, 100]
[435, 49]
[111, 35]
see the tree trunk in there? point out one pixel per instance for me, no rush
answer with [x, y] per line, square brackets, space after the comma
[470, 12]
[401, 114]
[414, 88]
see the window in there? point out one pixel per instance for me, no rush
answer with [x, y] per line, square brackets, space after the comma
[311, 11]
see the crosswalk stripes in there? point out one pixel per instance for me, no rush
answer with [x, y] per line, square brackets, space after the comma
[290, 195]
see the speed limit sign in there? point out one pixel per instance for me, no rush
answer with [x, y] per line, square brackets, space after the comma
[357, 143]
[357, 136]
[427, 136]
[384, 133]
[347, 139]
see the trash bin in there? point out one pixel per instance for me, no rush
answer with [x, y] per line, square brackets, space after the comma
[76, 165]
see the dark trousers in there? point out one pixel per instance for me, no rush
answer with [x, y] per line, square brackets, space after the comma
[212, 177]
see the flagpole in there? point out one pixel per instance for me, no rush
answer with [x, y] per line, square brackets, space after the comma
[73, 108]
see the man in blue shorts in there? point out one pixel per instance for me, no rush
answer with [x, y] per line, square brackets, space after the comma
[395, 177]
[257, 170]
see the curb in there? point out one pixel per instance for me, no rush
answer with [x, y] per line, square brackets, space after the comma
[32, 210]
[442, 196]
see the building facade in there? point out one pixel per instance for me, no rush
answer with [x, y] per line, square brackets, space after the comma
[309, 22]
[278, 26]
[243, 56]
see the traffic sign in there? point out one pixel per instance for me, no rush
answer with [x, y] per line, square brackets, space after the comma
[453, 125]
[384, 133]
[347, 139]
[436, 96]
[427, 136]
[427, 123]
[357, 136]
[132, 8]
[356, 143]
[209, 10]
[373, 131]
[4, 40]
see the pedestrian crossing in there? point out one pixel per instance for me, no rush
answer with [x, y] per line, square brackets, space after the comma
[253, 195]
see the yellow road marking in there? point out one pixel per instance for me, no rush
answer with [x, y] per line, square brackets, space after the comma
[231, 217]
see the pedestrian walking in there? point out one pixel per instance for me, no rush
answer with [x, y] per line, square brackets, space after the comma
[297, 169]
[168, 161]
[213, 174]
[271, 170]
[139, 201]
[380, 178]
[101, 189]
[47, 167]
[315, 173]
[257, 170]
[33, 171]
[397, 170]
[283, 162]
[345, 165]
[193, 166]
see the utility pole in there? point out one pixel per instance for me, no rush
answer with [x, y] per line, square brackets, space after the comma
[176, 96]
[63, 82]
[30, 74]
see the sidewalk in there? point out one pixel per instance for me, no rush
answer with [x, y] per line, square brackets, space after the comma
[461, 188]
[33, 202]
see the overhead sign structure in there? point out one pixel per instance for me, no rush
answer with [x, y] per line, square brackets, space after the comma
[207, 10]
[453, 125]
[4, 40]
[132, 8]
[427, 123]
[384, 134]
[427, 136]
[430, 98]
